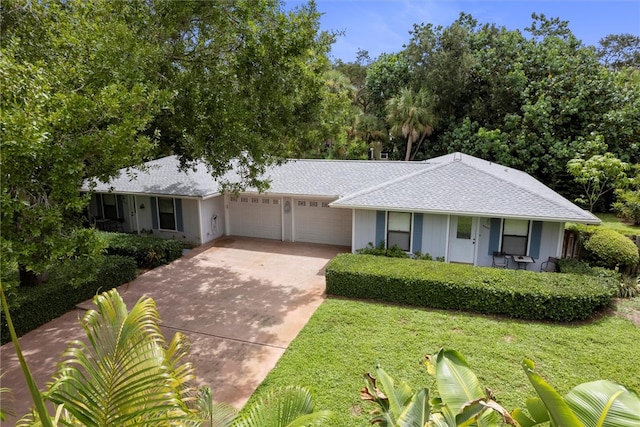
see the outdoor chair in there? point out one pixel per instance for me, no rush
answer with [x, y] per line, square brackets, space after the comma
[499, 260]
[550, 265]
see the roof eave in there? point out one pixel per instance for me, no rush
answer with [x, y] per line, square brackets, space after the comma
[594, 221]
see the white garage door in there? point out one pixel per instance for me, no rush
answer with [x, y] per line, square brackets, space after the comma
[253, 216]
[316, 222]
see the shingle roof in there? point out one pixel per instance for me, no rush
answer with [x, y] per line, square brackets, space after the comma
[455, 183]
[462, 184]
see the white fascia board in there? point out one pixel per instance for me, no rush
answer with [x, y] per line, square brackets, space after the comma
[467, 213]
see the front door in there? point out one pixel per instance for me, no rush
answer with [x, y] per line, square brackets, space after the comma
[462, 239]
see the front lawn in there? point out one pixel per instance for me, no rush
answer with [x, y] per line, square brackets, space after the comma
[344, 339]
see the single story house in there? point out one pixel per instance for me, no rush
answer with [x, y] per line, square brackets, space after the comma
[455, 206]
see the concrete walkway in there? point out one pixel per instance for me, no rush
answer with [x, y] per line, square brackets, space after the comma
[240, 301]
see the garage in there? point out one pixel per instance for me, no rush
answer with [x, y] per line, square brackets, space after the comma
[253, 216]
[315, 222]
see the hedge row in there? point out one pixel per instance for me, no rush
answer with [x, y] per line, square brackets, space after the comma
[147, 251]
[32, 307]
[520, 294]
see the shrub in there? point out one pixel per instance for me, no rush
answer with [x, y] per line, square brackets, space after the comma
[627, 206]
[380, 250]
[610, 249]
[34, 306]
[147, 251]
[521, 294]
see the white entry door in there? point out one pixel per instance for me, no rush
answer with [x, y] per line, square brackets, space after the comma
[462, 239]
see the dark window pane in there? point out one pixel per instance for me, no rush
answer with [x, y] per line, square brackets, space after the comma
[166, 214]
[514, 245]
[109, 207]
[399, 238]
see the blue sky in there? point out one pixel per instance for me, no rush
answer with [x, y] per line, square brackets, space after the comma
[383, 25]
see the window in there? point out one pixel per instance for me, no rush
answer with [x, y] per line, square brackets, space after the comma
[265, 201]
[109, 206]
[302, 203]
[166, 214]
[399, 230]
[313, 204]
[515, 236]
[464, 227]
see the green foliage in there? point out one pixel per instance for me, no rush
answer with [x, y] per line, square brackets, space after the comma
[590, 404]
[462, 401]
[627, 204]
[610, 249]
[521, 294]
[90, 87]
[459, 398]
[381, 250]
[598, 175]
[128, 374]
[147, 251]
[527, 102]
[629, 287]
[35, 306]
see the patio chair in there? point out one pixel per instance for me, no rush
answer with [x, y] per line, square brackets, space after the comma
[550, 265]
[499, 260]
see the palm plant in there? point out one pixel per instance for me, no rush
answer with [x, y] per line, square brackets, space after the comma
[128, 374]
[411, 116]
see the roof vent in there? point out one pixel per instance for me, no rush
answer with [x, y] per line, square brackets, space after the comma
[457, 157]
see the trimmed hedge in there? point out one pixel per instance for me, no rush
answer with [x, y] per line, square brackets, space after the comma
[610, 249]
[34, 306]
[147, 251]
[513, 293]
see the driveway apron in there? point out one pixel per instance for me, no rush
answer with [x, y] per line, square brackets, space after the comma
[240, 301]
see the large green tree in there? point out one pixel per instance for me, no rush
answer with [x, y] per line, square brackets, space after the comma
[523, 100]
[90, 87]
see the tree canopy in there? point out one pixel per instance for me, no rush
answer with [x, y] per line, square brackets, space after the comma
[529, 99]
[90, 87]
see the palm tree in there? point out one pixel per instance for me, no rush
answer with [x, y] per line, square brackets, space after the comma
[411, 116]
[128, 374]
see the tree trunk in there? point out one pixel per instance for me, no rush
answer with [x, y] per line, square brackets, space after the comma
[27, 277]
[407, 156]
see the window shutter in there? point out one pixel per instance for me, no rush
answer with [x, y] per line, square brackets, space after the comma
[120, 207]
[536, 236]
[179, 222]
[380, 227]
[494, 235]
[154, 213]
[417, 232]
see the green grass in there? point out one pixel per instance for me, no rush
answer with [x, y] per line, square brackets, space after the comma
[614, 223]
[344, 339]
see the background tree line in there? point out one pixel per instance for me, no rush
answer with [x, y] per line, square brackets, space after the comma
[532, 100]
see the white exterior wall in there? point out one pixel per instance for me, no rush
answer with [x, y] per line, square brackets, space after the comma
[212, 218]
[144, 215]
[364, 229]
[434, 235]
[550, 242]
[191, 233]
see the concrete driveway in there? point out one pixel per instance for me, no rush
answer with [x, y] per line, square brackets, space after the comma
[240, 301]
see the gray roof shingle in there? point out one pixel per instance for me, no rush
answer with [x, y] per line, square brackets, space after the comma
[455, 183]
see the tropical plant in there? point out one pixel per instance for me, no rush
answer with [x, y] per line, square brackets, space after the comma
[592, 404]
[461, 400]
[128, 374]
[411, 115]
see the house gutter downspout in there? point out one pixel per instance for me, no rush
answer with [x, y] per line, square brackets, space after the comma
[446, 246]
